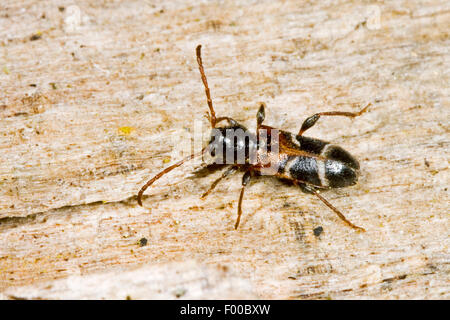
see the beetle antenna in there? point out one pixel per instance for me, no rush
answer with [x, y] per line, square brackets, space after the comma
[212, 116]
[167, 170]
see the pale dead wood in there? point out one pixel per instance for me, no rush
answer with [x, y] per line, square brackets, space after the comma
[90, 107]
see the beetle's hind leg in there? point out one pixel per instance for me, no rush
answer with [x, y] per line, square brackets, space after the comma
[305, 188]
[311, 190]
[311, 121]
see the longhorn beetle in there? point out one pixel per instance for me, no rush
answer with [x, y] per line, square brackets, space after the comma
[309, 163]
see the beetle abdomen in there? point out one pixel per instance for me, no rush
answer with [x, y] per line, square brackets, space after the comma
[338, 174]
[304, 169]
[334, 167]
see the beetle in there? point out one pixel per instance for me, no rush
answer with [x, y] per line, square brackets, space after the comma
[312, 164]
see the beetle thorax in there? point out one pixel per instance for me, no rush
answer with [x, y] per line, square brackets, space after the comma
[233, 144]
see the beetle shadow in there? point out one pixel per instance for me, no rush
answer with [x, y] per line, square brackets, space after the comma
[206, 170]
[214, 167]
[302, 186]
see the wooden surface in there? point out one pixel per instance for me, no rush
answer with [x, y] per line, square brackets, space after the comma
[95, 95]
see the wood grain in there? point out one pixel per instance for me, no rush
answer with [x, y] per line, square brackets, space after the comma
[95, 97]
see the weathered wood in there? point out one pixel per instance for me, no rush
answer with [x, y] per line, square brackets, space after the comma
[94, 97]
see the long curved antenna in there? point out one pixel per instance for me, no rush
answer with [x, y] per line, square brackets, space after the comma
[166, 170]
[212, 117]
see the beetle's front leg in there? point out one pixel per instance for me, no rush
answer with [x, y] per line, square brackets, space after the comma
[226, 173]
[245, 180]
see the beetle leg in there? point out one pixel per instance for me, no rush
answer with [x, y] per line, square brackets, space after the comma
[230, 121]
[245, 180]
[227, 172]
[311, 121]
[311, 190]
[260, 115]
